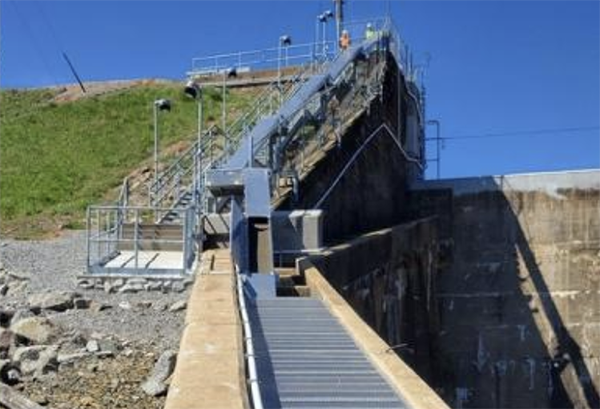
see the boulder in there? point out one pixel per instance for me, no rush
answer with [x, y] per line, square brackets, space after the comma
[36, 360]
[56, 301]
[9, 372]
[21, 314]
[6, 315]
[38, 330]
[155, 385]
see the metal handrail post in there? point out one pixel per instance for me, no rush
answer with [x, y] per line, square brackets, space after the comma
[98, 233]
[87, 237]
[136, 244]
[184, 238]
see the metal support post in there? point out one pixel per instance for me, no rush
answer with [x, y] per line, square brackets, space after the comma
[136, 245]
[155, 147]
[224, 104]
[87, 236]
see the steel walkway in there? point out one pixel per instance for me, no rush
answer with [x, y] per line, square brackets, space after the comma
[306, 359]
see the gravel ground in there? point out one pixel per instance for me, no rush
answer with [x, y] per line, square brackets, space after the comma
[53, 265]
[141, 324]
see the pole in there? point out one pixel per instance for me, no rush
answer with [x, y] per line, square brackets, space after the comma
[224, 104]
[155, 147]
[198, 156]
[316, 50]
[339, 19]
[279, 71]
[324, 47]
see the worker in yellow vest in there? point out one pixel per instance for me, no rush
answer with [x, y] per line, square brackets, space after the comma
[370, 32]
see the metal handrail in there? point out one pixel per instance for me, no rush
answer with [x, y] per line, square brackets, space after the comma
[259, 58]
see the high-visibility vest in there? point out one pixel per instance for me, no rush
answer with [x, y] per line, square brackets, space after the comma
[369, 34]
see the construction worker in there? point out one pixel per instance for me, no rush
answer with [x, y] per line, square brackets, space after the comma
[370, 32]
[345, 40]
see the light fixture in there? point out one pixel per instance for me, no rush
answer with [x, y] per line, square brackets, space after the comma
[163, 104]
[192, 90]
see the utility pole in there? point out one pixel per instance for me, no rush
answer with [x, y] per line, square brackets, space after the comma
[339, 20]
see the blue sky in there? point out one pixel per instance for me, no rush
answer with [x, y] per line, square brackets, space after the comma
[496, 67]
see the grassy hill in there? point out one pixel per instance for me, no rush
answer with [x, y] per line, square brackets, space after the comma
[57, 158]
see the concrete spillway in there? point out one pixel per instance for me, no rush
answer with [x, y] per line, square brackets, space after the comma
[306, 359]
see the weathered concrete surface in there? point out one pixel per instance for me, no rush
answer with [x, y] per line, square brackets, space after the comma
[369, 194]
[388, 277]
[399, 375]
[210, 364]
[519, 295]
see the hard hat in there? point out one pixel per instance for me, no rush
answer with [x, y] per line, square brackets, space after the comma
[369, 25]
[344, 31]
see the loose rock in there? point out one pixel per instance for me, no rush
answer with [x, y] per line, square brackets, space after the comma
[155, 384]
[36, 360]
[38, 330]
[92, 346]
[178, 306]
[56, 301]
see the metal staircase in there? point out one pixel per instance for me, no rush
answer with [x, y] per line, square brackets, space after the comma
[306, 359]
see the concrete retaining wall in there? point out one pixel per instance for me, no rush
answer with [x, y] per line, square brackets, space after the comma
[519, 295]
[389, 277]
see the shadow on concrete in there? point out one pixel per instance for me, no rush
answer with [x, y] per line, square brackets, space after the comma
[503, 341]
[567, 351]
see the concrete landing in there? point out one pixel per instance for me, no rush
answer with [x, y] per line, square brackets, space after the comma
[210, 365]
[162, 260]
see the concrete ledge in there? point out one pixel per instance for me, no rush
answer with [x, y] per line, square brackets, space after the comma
[416, 393]
[548, 182]
[210, 365]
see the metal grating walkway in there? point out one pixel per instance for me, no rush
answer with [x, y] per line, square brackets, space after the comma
[305, 359]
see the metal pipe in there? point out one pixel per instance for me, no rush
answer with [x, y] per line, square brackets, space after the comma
[250, 356]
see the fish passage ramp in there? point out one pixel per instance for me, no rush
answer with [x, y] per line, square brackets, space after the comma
[306, 359]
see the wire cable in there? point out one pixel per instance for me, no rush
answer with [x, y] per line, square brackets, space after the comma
[528, 133]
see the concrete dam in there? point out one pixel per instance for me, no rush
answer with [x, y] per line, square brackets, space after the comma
[329, 273]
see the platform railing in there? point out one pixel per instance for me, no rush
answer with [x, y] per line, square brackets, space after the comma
[262, 59]
[131, 232]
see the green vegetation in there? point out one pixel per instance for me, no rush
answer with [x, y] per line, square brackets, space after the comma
[57, 158]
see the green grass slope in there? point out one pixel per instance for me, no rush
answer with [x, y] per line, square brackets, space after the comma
[57, 158]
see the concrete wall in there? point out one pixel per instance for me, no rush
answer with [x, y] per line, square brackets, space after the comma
[373, 187]
[519, 291]
[388, 278]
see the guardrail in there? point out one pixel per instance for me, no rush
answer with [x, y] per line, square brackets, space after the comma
[126, 240]
[262, 59]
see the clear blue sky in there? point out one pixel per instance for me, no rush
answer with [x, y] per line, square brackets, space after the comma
[496, 67]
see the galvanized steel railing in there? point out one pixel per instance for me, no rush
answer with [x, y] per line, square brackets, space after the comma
[107, 237]
[262, 59]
